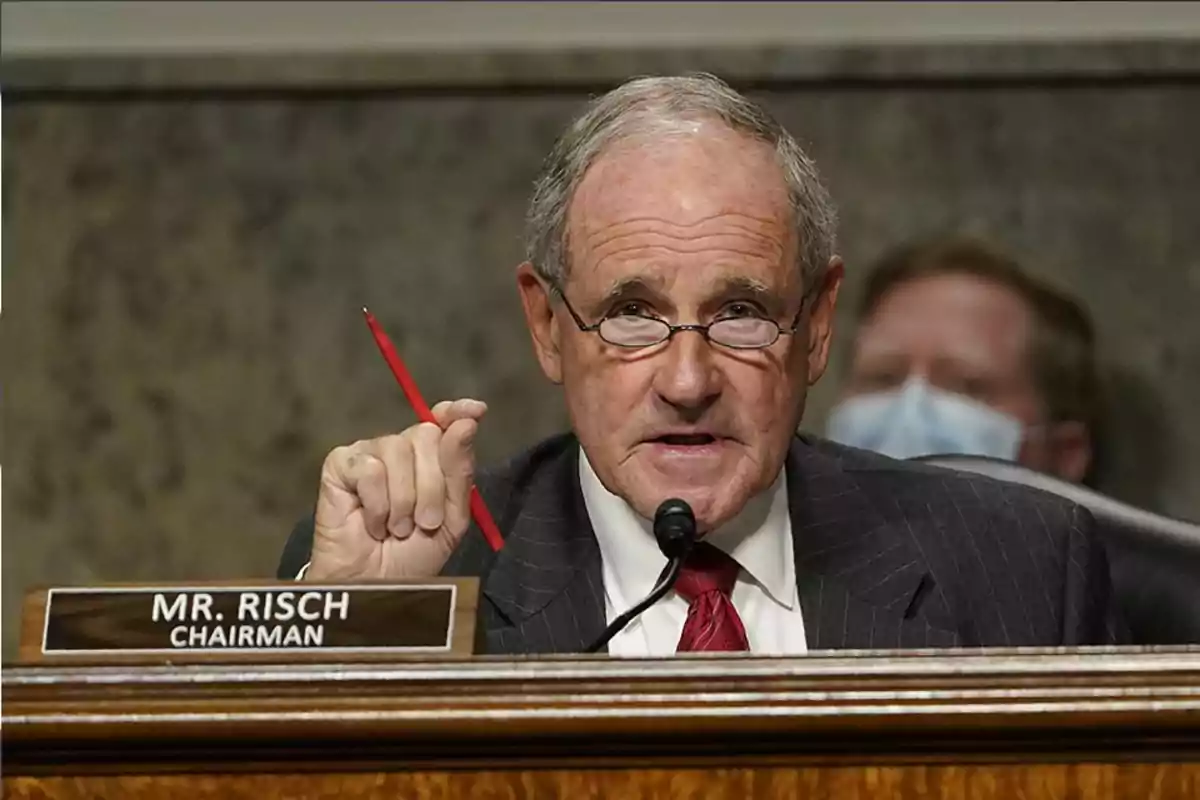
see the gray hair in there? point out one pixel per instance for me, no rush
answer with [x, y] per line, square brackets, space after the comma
[648, 105]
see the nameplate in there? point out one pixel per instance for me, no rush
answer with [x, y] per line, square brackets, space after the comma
[206, 621]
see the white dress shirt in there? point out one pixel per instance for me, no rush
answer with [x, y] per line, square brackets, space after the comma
[759, 539]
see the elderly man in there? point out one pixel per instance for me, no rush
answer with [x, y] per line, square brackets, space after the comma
[680, 287]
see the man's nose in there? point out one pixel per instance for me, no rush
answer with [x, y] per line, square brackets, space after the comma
[688, 376]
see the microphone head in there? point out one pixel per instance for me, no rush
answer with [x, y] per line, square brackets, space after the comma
[675, 528]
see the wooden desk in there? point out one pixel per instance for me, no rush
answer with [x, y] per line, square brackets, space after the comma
[1117, 723]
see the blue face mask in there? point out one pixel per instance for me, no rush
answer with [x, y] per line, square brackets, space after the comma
[919, 420]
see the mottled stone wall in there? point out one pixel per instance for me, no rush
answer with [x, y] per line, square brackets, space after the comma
[183, 275]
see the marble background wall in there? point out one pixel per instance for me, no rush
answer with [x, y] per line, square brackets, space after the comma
[184, 270]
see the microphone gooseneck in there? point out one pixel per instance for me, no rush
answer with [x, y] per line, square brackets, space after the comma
[675, 532]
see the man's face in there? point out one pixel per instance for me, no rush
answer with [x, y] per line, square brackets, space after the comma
[961, 333]
[688, 228]
[965, 335]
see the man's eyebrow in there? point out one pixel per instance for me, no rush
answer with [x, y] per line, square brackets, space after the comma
[738, 287]
[628, 286]
[654, 286]
[742, 284]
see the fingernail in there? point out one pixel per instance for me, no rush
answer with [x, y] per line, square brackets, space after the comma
[429, 521]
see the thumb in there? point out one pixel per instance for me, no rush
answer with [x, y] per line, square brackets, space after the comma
[457, 455]
[447, 412]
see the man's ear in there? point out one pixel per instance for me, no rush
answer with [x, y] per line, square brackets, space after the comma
[539, 316]
[1070, 446]
[820, 321]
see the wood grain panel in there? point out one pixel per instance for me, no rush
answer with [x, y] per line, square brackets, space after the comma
[1093, 781]
[1086, 723]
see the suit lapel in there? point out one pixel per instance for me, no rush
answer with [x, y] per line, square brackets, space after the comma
[547, 581]
[862, 581]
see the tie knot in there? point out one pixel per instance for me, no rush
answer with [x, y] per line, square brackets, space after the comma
[706, 569]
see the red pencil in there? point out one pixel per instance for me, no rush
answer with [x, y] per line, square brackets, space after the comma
[479, 512]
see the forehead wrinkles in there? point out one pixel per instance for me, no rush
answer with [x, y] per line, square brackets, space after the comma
[731, 231]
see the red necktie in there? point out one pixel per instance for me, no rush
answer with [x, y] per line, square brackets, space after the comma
[713, 624]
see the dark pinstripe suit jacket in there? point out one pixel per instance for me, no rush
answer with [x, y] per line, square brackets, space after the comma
[888, 554]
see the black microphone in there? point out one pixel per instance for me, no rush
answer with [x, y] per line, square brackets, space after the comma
[675, 531]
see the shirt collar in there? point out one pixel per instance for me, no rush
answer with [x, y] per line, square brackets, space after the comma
[759, 538]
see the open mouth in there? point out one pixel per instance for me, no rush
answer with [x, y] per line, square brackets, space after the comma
[685, 439]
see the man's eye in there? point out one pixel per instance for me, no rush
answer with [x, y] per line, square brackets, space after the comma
[631, 308]
[973, 387]
[741, 311]
[879, 379]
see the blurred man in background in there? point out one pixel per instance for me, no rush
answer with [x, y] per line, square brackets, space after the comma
[957, 350]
